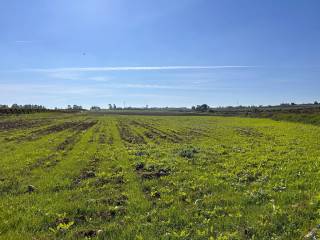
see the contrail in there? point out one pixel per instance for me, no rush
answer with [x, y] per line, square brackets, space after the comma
[141, 68]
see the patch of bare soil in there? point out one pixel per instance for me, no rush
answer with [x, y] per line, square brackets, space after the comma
[128, 135]
[21, 124]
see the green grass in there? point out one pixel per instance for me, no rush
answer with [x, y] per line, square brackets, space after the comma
[157, 177]
[307, 118]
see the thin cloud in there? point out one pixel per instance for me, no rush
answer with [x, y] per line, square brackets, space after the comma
[141, 68]
[165, 96]
[155, 86]
[99, 78]
[48, 89]
[65, 75]
[148, 86]
[24, 41]
[166, 87]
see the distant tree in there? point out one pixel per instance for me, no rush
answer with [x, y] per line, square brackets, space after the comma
[284, 104]
[110, 106]
[95, 108]
[21, 109]
[193, 108]
[316, 103]
[114, 106]
[292, 104]
[15, 106]
[69, 107]
[202, 108]
[76, 107]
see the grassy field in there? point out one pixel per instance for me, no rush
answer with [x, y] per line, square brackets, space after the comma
[77, 176]
[311, 118]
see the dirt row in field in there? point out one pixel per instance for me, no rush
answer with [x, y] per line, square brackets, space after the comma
[73, 125]
[50, 161]
[153, 132]
[21, 124]
[78, 126]
[128, 135]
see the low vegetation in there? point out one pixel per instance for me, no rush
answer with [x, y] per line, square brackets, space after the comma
[96, 176]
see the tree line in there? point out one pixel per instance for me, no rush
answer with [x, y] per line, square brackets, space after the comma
[33, 108]
[20, 109]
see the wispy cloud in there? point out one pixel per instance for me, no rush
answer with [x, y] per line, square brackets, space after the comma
[152, 86]
[156, 86]
[99, 78]
[65, 75]
[23, 41]
[45, 89]
[157, 96]
[140, 68]
[167, 87]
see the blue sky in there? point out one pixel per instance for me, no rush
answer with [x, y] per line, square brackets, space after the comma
[159, 52]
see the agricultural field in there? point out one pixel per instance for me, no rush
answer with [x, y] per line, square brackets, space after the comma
[91, 176]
